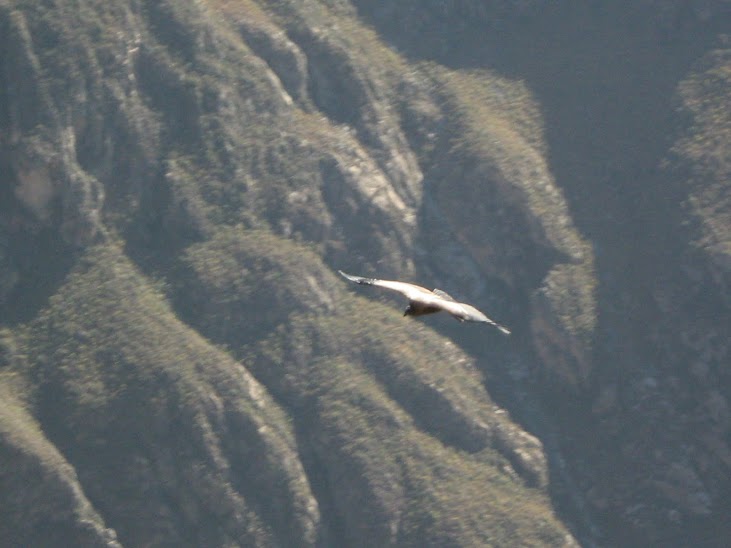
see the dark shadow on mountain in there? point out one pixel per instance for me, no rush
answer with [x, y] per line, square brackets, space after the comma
[41, 260]
[605, 76]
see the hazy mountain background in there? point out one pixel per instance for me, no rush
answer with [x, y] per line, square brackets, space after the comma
[181, 366]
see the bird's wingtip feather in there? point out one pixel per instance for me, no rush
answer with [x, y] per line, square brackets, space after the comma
[350, 277]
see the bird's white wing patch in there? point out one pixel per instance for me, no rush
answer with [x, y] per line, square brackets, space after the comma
[444, 295]
[453, 307]
[410, 291]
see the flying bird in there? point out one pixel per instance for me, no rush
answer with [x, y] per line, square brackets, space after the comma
[422, 301]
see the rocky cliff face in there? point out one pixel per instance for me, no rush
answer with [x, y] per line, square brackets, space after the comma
[179, 364]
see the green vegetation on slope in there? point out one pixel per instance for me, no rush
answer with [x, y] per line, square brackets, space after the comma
[127, 391]
[179, 139]
[704, 152]
[382, 405]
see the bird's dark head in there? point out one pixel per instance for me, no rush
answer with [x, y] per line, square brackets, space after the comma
[409, 311]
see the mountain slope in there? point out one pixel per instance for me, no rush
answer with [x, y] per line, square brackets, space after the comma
[223, 155]
[179, 364]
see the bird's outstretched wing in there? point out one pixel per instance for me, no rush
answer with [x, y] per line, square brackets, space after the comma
[474, 315]
[444, 295]
[410, 291]
[420, 298]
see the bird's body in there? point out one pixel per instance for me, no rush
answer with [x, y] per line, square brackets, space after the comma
[422, 301]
